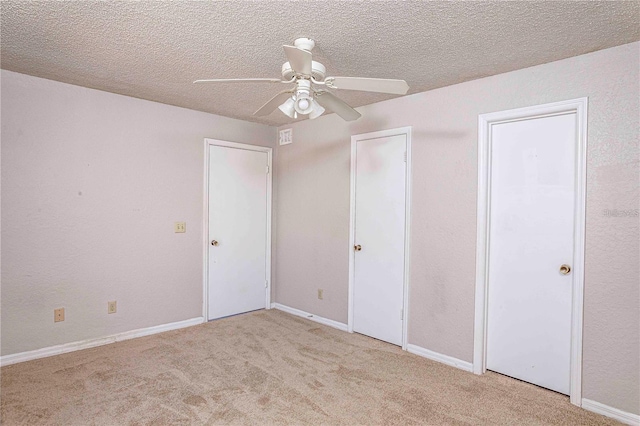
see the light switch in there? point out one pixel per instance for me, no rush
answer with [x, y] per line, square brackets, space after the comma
[180, 227]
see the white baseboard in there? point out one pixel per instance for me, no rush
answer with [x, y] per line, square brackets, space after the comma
[614, 413]
[435, 356]
[91, 343]
[312, 317]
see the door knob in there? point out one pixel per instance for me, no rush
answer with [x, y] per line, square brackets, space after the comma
[565, 269]
[214, 243]
[357, 248]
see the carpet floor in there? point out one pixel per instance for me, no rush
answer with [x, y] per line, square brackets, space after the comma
[268, 368]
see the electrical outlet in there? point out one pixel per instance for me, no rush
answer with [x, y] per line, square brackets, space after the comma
[320, 293]
[180, 227]
[111, 307]
[58, 315]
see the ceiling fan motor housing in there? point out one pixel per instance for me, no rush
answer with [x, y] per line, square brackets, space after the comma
[318, 71]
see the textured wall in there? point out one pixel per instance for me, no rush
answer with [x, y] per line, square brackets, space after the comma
[313, 210]
[92, 183]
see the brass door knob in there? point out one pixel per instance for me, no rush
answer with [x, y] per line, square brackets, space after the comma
[565, 269]
[357, 248]
[214, 243]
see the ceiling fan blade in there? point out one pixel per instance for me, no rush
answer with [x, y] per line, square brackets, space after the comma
[382, 85]
[241, 80]
[299, 59]
[337, 105]
[273, 103]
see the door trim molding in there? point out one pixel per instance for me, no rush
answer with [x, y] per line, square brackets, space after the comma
[407, 222]
[208, 143]
[485, 123]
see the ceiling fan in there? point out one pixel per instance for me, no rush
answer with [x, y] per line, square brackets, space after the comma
[309, 95]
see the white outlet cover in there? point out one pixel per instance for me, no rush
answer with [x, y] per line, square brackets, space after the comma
[286, 137]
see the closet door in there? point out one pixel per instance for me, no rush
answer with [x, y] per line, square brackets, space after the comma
[237, 272]
[531, 245]
[379, 236]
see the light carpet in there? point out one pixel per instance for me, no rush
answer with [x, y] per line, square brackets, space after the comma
[268, 368]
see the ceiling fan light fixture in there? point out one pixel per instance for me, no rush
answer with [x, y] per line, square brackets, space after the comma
[318, 110]
[303, 97]
[288, 108]
[303, 103]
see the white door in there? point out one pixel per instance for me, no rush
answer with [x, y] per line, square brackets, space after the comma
[237, 270]
[380, 195]
[531, 225]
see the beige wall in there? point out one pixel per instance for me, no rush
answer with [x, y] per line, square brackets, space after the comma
[92, 183]
[313, 210]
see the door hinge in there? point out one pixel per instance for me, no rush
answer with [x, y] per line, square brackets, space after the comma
[405, 156]
[267, 169]
[266, 283]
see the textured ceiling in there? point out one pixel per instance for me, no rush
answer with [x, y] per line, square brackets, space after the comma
[154, 50]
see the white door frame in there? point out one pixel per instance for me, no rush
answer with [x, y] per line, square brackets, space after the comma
[485, 123]
[208, 143]
[407, 222]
